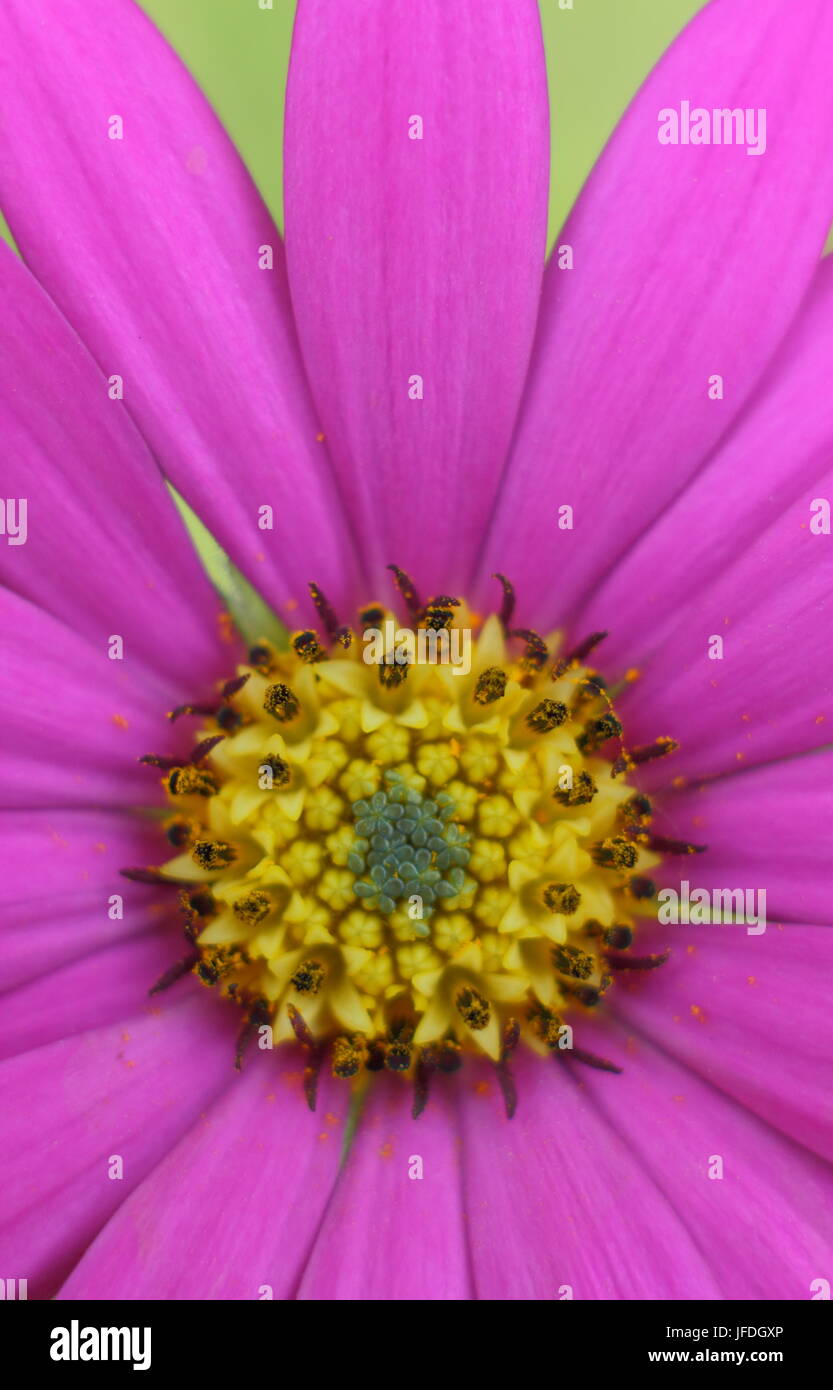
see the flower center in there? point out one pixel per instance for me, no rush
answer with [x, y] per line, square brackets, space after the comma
[406, 847]
[396, 858]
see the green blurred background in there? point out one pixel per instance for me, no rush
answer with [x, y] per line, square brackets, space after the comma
[598, 54]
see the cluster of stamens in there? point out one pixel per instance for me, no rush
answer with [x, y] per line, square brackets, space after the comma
[395, 871]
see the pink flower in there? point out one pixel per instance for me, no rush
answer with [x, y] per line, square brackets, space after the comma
[146, 337]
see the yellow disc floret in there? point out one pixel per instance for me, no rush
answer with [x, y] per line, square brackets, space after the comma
[414, 847]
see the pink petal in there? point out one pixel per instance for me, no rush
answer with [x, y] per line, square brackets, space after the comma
[104, 550]
[109, 984]
[412, 257]
[766, 690]
[150, 246]
[766, 1226]
[232, 1210]
[769, 828]
[560, 1207]
[788, 431]
[395, 1228]
[744, 1012]
[75, 723]
[690, 261]
[69, 856]
[130, 1091]
[60, 873]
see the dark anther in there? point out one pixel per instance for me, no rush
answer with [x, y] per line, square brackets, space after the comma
[586, 647]
[326, 613]
[508, 1089]
[258, 1016]
[187, 779]
[645, 753]
[636, 812]
[229, 718]
[561, 897]
[449, 1056]
[252, 907]
[663, 845]
[507, 607]
[590, 1059]
[280, 702]
[371, 616]
[438, 613]
[181, 710]
[179, 832]
[211, 968]
[307, 646]
[397, 1055]
[408, 592]
[581, 793]
[511, 1038]
[375, 1055]
[397, 1046]
[198, 900]
[616, 853]
[176, 972]
[230, 688]
[589, 689]
[299, 1027]
[437, 619]
[588, 995]
[506, 1081]
[233, 686]
[473, 1008]
[220, 961]
[164, 764]
[638, 962]
[546, 716]
[490, 686]
[577, 655]
[316, 1054]
[547, 1025]
[204, 747]
[348, 1056]
[262, 658]
[213, 854]
[390, 676]
[154, 876]
[572, 961]
[196, 905]
[309, 977]
[427, 1061]
[642, 888]
[598, 731]
[442, 601]
[191, 781]
[311, 1071]
[618, 938]
[279, 768]
[535, 654]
